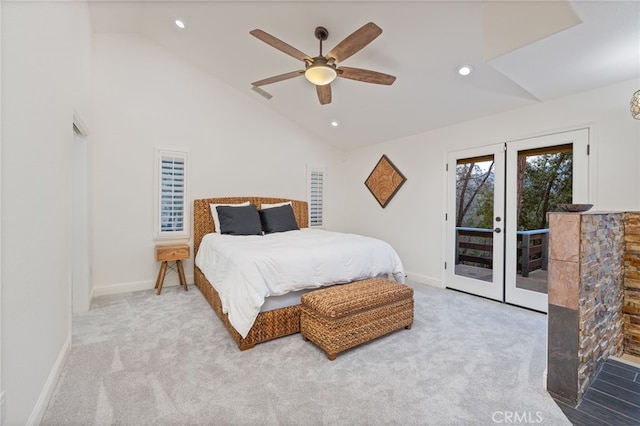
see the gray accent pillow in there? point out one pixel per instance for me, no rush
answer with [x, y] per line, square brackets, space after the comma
[243, 220]
[278, 219]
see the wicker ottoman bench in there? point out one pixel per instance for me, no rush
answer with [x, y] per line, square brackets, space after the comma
[343, 316]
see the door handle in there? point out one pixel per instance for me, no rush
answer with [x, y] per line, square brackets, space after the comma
[497, 230]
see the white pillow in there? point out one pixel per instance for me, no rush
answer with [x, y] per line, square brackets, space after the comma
[214, 213]
[270, 206]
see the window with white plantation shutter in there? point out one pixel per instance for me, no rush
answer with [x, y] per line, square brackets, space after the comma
[171, 195]
[315, 189]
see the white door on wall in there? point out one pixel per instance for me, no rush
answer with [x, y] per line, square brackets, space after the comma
[474, 218]
[496, 229]
[564, 158]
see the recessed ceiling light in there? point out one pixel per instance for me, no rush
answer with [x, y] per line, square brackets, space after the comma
[180, 24]
[465, 70]
[334, 123]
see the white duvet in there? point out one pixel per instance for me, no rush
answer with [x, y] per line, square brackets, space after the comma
[245, 270]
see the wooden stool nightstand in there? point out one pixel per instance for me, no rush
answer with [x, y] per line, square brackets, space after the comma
[166, 253]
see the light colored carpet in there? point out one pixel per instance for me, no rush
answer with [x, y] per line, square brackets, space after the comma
[139, 358]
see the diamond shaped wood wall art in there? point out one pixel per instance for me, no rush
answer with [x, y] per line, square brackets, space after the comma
[384, 181]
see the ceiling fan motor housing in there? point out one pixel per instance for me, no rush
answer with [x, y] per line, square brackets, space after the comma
[321, 33]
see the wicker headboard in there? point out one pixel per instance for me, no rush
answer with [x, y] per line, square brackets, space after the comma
[203, 222]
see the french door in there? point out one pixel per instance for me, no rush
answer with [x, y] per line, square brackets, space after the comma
[475, 221]
[498, 197]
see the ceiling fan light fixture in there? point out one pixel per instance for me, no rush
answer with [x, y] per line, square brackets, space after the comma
[635, 105]
[320, 74]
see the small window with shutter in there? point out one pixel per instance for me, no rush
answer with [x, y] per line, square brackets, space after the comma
[171, 195]
[315, 196]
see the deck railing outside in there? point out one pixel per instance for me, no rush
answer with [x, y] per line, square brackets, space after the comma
[474, 246]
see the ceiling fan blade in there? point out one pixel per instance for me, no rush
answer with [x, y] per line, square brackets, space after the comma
[356, 41]
[366, 76]
[277, 78]
[280, 45]
[324, 94]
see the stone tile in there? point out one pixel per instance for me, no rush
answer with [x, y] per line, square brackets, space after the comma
[564, 283]
[564, 236]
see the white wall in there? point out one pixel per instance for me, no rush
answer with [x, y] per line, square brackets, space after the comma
[146, 97]
[46, 50]
[413, 220]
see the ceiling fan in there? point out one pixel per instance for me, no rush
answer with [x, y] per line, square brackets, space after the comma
[322, 70]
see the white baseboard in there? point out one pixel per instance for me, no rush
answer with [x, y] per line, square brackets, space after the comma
[43, 400]
[3, 410]
[136, 286]
[423, 279]
[92, 294]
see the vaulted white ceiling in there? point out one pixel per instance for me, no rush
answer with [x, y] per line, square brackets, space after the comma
[522, 52]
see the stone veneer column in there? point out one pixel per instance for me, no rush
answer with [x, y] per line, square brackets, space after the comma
[586, 268]
[631, 307]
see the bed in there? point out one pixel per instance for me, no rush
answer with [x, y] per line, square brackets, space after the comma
[274, 322]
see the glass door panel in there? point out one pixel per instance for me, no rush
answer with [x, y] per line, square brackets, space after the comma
[545, 178]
